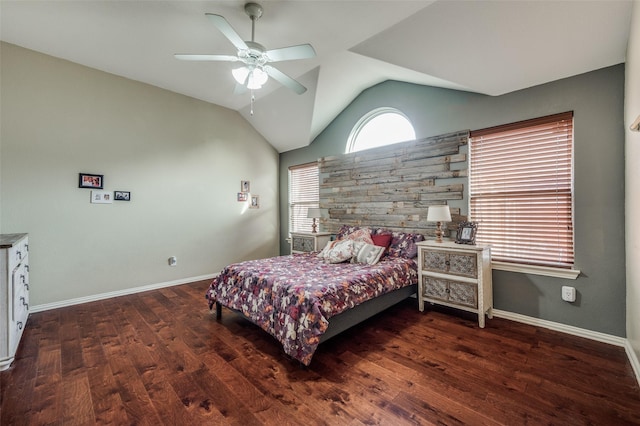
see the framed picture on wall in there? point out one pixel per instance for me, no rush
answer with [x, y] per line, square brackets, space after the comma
[243, 196]
[255, 202]
[122, 195]
[86, 180]
[101, 197]
[466, 233]
[245, 186]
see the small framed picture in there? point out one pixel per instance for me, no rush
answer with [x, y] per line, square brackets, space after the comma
[466, 233]
[86, 180]
[122, 195]
[243, 196]
[255, 202]
[101, 197]
[245, 186]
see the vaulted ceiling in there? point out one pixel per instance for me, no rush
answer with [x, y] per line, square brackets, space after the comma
[488, 47]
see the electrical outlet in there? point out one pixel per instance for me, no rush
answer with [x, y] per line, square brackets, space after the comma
[568, 293]
[173, 261]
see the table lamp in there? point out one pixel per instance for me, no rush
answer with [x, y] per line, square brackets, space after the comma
[439, 214]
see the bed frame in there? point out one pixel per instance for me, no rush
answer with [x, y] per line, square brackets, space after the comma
[357, 314]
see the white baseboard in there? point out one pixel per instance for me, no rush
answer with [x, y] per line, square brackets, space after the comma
[576, 331]
[102, 296]
[633, 359]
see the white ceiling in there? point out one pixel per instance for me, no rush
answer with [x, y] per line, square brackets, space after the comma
[490, 47]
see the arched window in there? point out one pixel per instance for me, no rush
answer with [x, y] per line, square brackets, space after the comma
[382, 126]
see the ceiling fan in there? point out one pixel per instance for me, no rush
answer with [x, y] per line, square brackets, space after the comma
[256, 59]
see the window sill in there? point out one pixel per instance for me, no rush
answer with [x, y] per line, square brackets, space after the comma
[570, 274]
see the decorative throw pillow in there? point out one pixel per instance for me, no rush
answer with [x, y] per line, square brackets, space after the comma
[382, 240]
[367, 253]
[346, 230]
[404, 245]
[341, 251]
[326, 248]
[362, 234]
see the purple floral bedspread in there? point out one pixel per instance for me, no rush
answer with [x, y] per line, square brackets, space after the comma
[292, 297]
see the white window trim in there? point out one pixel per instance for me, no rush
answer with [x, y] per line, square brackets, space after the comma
[570, 274]
[357, 128]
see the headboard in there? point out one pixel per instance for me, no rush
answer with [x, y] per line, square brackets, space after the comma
[392, 186]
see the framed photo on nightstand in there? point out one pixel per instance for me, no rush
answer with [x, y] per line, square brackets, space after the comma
[466, 233]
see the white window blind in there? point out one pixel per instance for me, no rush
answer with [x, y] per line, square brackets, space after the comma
[521, 190]
[304, 192]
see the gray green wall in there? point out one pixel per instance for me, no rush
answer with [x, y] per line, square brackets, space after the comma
[597, 99]
[182, 159]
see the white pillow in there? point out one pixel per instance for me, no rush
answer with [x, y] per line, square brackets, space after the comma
[341, 251]
[326, 248]
[368, 254]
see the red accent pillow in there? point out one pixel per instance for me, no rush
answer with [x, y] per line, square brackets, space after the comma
[382, 240]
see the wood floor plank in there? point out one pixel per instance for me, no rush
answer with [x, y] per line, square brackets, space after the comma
[161, 358]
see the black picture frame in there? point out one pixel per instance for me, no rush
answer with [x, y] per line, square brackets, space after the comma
[122, 195]
[466, 233]
[91, 181]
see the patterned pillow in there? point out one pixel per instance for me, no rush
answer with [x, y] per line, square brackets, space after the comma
[404, 245]
[362, 234]
[346, 230]
[326, 248]
[341, 251]
[367, 253]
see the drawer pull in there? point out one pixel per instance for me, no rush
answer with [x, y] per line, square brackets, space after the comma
[24, 302]
[19, 254]
[19, 325]
[448, 290]
[26, 247]
[23, 278]
[447, 263]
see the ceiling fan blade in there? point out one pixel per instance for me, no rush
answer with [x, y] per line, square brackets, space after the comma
[301, 51]
[227, 30]
[189, 57]
[285, 80]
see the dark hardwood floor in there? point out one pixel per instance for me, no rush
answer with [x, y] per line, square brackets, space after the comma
[161, 358]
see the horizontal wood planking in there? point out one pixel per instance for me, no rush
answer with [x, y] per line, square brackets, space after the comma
[393, 186]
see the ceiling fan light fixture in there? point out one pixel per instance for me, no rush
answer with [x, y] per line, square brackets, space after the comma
[256, 77]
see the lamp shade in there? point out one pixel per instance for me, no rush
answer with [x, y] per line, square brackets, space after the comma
[314, 212]
[438, 214]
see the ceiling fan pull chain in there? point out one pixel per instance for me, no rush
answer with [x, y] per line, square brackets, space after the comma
[253, 98]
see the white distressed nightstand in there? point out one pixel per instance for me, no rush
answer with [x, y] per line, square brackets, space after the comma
[456, 275]
[304, 242]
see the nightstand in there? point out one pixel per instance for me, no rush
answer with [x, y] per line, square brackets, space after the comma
[456, 275]
[304, 242]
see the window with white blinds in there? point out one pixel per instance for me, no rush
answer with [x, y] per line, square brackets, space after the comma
[521, 190]
[304, 192]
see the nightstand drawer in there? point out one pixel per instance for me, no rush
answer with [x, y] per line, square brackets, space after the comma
[461, 264]
[299, 243]
[455, 292]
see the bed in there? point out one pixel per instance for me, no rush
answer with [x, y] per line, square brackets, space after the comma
[304, 299]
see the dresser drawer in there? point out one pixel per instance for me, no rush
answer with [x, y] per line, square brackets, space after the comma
[448, 262]
[20, 290]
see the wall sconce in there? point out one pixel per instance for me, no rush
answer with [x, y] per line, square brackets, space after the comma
[314, 213]
[439, 214]
[635, 127]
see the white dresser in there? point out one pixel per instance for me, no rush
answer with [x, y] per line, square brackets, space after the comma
[14, 294]
[456, 275]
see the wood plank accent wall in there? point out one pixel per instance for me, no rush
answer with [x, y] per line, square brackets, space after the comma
[392, 186]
